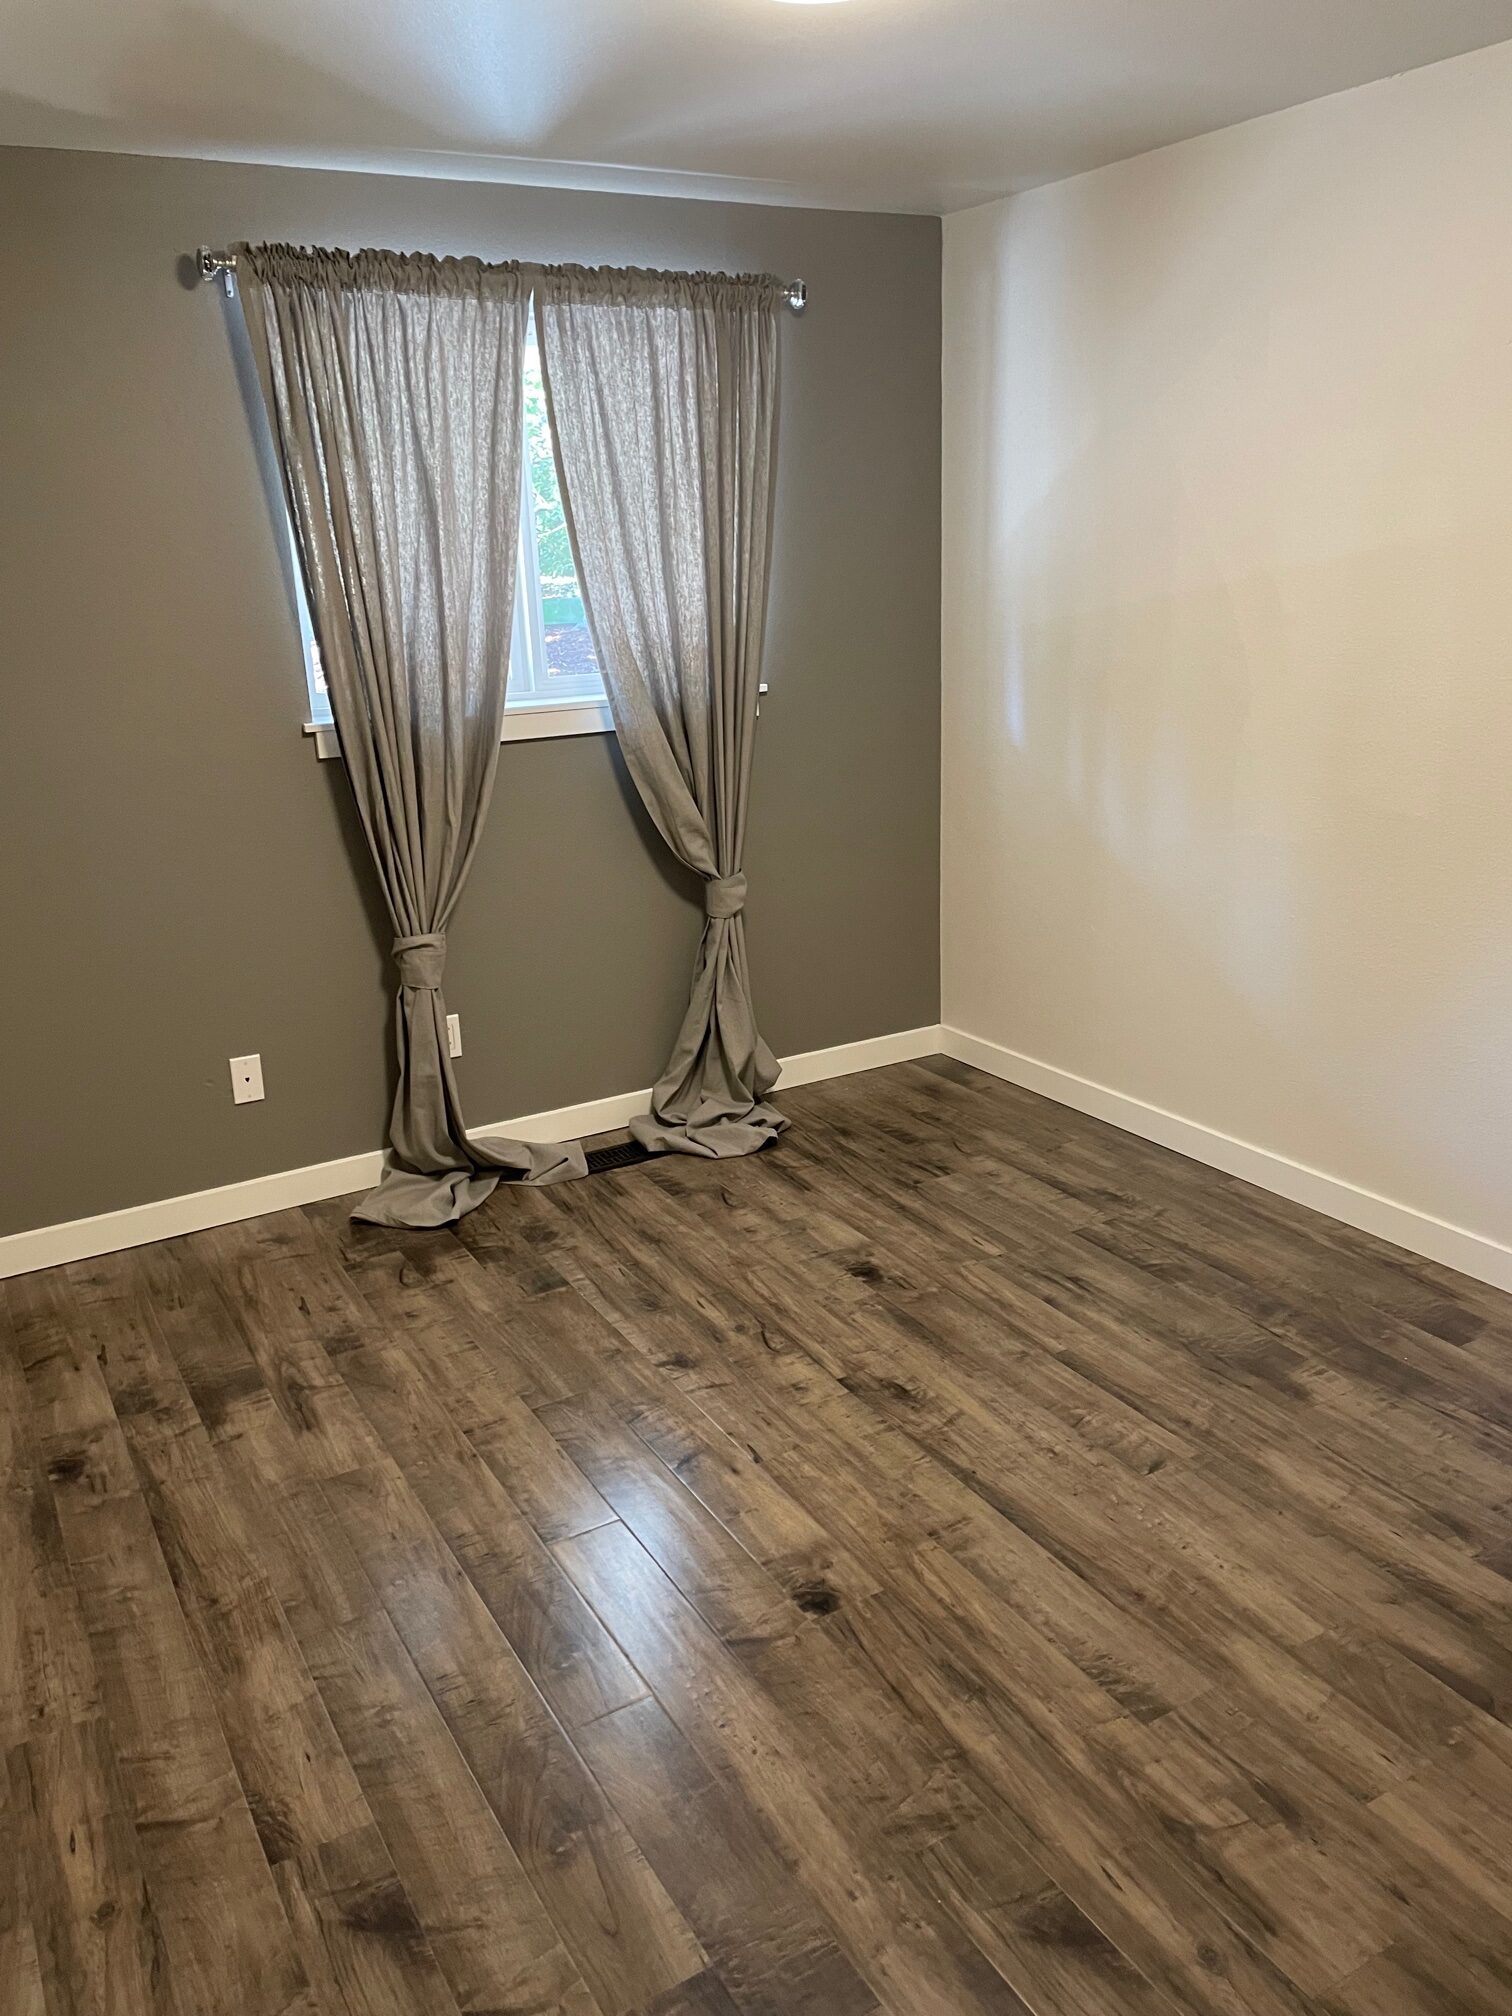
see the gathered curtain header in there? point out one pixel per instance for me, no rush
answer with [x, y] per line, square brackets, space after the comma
[381, 272]
[433, 274]
[638, 287]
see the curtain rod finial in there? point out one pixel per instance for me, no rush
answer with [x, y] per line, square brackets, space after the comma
[213, 265]
[797, 296]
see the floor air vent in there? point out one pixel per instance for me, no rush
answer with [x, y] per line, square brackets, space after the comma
[618, 1155]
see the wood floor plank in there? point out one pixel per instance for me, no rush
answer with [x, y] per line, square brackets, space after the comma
[963, 1559]
[223, 1927]
[77, 1927]
[1052, 1953]
[615, 1918]
[1371, 1870]
[815, 1569]
[569, 1656]
[1423, 1976]
[474, 1901]
[704, 1995]
[728, 1588]
[1414, 1383]
[1205, 1310]
[551, 1492]
[907, 1950]
[22, 1969]
[353, 1925]
[355, 1398]
[715, 1466]
[1159, 1910]
[484, 1920]
[770, 1944]
[91, 1937]
[370, 1414]
[47, 1671]
[1222, 1399]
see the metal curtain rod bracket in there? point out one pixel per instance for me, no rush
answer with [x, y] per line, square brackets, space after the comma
[212, 265]
[221, 266]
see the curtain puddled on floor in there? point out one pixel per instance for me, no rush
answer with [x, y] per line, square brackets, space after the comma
[393, 384]
[662, 392]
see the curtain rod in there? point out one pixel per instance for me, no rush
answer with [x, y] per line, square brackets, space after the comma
[213, 265]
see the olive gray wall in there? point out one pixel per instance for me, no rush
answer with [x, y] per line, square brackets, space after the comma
[181, 881]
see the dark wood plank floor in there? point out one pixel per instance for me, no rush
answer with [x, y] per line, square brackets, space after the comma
[962, 1559]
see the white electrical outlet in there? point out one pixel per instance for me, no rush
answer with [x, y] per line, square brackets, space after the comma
[454, 1035]
[246, 1079]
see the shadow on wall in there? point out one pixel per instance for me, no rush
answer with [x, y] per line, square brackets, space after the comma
[1307, 933]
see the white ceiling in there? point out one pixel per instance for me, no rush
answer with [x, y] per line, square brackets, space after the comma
[877, 104]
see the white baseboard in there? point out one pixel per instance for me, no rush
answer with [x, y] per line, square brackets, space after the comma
[572, 1123]
[171, 1217]
[809, 1066]
[1419, 1232]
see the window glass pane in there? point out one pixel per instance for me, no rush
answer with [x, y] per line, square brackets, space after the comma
[315, 684]
[568, 667]
[320, 693]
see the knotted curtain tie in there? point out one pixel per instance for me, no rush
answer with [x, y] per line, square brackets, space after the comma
[421, 959]
[724, 895]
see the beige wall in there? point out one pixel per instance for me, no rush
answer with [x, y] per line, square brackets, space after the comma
[179, 877]
[1227, 588]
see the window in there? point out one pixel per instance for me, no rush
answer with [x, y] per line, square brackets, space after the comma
[555, 687]
[551, 657]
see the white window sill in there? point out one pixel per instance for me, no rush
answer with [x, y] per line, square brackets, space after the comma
[534, 719]
[531, 722]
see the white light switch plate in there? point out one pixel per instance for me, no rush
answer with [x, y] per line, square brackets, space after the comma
[454, 1035]
[246, 1079]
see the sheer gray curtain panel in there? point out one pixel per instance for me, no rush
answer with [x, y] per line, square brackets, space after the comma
[393, 385]
[662, 393]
